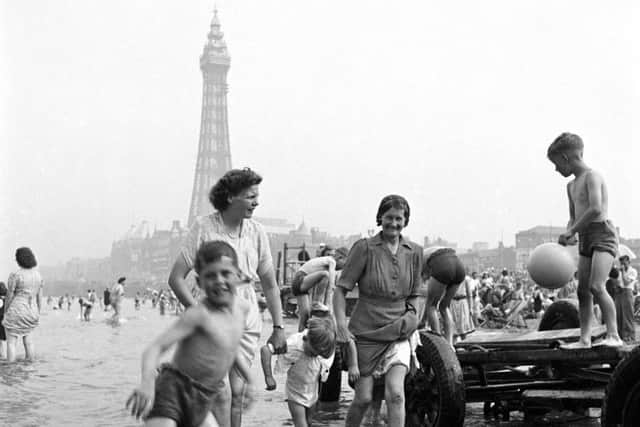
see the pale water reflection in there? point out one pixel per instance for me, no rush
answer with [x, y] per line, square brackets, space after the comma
[84, 371]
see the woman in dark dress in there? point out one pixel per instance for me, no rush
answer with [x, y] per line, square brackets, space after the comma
[387, 268]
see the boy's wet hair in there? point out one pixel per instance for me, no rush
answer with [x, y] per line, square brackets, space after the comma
[214, 251]
[393, 201]
[25, 258]
[321, 333]
[231, 184]
[565, 143]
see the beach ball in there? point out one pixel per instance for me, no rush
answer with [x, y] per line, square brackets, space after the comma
[551, 265]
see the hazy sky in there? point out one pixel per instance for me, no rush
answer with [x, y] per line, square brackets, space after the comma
[335, 103]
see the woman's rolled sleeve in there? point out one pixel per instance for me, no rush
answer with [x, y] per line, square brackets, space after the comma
[354, 265]
[265, 260]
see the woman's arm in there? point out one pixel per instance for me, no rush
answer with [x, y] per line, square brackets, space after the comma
[178, 283]
[340, 313]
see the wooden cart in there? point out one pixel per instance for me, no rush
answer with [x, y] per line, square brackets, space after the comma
[525, 372]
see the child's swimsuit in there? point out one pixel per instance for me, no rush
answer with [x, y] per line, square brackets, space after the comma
[598, 236]
[181, 398]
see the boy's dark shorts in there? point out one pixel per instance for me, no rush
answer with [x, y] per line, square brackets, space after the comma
[297, 283]
[181, 398]
[446, 267]
[598, 236]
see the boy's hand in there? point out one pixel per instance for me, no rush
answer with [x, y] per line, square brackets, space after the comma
[271, 383]
[278, 341]
[141, 401]
[567, 238]
[354, 374]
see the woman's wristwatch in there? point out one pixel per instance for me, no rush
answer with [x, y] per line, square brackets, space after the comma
[278, 327]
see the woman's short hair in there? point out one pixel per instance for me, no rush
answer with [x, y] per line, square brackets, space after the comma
[25, 258]
[231, 184]
[393, 201]
[122, 279]
[565, 143]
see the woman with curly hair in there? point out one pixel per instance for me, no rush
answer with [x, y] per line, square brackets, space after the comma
[235, 198]
[22, 304]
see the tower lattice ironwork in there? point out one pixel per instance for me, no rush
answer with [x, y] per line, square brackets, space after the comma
[214, 155]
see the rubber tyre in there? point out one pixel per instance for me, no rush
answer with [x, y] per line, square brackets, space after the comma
[439, 378]
[624, 379]
[631, 412]
[562, 314]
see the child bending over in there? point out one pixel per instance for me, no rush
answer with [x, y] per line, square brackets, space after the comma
[309, 357]
[208, 339]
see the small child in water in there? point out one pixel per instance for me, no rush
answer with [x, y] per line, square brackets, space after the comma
[309, 357]
[208, 338]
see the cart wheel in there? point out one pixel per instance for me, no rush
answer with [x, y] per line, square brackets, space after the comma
[562, 314]
[435, 394]
[623, 392]
[632, 407]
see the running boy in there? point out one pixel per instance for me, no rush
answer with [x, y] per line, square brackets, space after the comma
[208, 338]
[308, 358]
[598, 239]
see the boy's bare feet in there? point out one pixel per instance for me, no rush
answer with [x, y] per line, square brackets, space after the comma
[576, 345]
[610, 342]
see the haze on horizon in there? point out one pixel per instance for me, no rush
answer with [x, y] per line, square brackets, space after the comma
[336, 104]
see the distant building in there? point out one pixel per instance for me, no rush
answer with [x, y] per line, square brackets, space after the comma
[143, 254]
[528, 240]
[484, 259]
[439, 241]
[479, 246]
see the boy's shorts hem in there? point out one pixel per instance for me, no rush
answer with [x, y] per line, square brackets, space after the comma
[181, 398]
[600, 237]
[296, 284]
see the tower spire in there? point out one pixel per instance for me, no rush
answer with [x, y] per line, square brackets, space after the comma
[214, 154]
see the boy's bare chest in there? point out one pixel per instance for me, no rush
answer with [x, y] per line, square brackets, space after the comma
[226, 331]
[578, 191]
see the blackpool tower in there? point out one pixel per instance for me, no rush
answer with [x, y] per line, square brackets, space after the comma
[214, 156]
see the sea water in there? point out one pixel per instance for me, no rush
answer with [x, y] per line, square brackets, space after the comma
[84, 371]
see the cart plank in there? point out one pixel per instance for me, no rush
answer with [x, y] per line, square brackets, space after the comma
[580, 356]
[493, 339]
[591, 397]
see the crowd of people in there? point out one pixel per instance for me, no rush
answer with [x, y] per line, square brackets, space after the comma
[402, 288]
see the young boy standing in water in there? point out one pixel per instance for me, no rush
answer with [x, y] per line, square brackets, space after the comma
[208, 338]
[598, 239]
